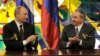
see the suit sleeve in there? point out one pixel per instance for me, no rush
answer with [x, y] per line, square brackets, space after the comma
[11, 44]
[89, 42]
[64, 39]
[36, 41]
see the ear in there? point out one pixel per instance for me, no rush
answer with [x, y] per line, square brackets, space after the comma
[18, 15]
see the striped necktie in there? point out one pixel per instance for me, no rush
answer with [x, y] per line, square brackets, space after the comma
[76, 30]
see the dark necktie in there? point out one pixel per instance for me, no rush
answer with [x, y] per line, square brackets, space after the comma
[76, 30]
[21, 32]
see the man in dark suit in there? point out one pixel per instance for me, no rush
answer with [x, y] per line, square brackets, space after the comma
[77, 35]
[18, 34]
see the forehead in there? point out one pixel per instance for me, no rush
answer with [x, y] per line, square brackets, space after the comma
[77, 13]
[23, 10]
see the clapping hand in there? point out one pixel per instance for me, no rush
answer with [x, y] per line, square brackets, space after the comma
[31, 38]
[74, 39]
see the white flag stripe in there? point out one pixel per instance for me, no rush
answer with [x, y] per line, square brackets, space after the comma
[29, 4]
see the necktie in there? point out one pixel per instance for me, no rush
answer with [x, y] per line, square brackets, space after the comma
[21, 32]
[76, 30]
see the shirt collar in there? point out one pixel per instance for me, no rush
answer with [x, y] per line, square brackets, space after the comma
[79, 27]
[17, 23]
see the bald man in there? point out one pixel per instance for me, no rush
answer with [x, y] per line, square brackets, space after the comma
[18, 34]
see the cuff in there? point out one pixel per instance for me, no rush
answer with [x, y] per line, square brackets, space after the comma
[80, 43]
[68, 44]
[24, 42]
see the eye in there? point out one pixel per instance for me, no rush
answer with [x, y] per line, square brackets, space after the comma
[74, 16]
[25, 14]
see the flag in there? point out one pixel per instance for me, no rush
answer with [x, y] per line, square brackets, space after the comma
[29, 6]
[50, 23]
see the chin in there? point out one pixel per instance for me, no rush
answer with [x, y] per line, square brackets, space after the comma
[73, 23]
[25, 20]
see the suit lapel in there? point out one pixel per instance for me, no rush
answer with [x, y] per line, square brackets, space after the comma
[16, 31]
[72, 32]
[82, 30]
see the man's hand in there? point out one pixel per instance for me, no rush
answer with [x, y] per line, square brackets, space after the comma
[74, 39]
[31, 38]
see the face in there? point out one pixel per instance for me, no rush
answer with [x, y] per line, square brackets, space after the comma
[23, 15]
[76, 18]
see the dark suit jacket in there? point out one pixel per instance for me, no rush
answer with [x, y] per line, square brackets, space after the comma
[11, 29]
[87, 41]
